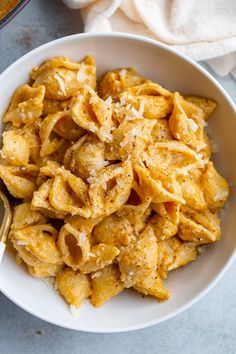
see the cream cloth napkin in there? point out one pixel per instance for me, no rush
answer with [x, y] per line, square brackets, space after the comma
[202, 29]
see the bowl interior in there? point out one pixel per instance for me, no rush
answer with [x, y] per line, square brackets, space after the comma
[129, 310]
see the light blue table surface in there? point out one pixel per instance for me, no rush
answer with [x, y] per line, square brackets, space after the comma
[208, 327]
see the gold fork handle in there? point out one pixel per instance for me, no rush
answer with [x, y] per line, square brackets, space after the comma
[6, 223]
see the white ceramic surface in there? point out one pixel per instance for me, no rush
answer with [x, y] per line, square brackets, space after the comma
[130, 311]
[2, 249]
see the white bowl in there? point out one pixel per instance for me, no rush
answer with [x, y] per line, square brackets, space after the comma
[129, 311]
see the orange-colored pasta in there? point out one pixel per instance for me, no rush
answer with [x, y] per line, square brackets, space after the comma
[113, 180]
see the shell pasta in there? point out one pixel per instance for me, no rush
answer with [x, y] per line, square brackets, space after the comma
[112, 179]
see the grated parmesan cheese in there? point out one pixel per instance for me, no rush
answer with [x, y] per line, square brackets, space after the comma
[200, 147]
[81, 75]
[91, 254]
[118, 170]
[136, 113]
[93, 173]
[104, 186]
[92, 127]
[106, 134]
[182, 171]
[220, 195]
[82, 239]
[199, 156]
[141, 108]
[124, 142]
[61, 83]
[21, 243]
[204, 162]
[111, 225]
[123, 74]
[108, 101]
[50, 282]
[201, 161]
[96, 275]
[214, 146]
[75, 311]
[105, 163]
[98, 164]
[2, 154]
[136, 131]
[89, 89]
[133, 237]
[123, 100]
[192, 125]
[120, 182]
[80, 98]
[23, 115]
[93, 99]
[73, 212]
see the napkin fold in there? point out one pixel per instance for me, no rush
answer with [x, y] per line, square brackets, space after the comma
[203, 29]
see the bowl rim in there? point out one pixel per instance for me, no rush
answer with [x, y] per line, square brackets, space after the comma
[233, 255]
